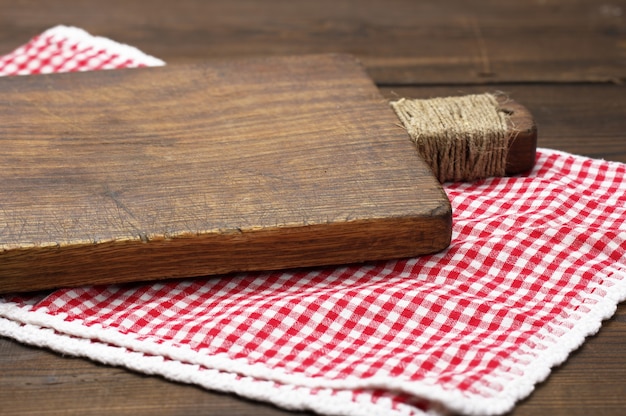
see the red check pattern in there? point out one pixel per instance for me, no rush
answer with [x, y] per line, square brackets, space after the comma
[535, 264]
[67, 49]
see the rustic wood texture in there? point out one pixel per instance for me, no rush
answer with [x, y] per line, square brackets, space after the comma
[522, 137]
[400, 41]
[191, 170]
[564, 60]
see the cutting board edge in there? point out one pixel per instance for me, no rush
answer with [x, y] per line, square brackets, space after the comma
[217, 254]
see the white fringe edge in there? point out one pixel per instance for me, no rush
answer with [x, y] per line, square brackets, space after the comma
[219, 372]
[286, 396]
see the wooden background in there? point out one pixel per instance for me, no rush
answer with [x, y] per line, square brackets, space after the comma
[564, 59]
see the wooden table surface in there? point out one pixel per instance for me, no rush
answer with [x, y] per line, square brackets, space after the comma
[565, 60]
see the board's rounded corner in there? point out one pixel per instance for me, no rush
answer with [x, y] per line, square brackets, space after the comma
[443, 215]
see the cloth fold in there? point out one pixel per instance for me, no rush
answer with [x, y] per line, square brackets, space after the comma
[535, 264]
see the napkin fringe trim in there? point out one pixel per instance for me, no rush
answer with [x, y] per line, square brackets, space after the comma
[95, 340]
[285, 396]
[557, 347]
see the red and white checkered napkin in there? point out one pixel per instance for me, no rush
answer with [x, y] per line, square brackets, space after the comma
[535, 264]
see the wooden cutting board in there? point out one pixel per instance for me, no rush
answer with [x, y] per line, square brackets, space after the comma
[180, 171]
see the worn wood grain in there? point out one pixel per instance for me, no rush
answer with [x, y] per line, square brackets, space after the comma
[180, 171]
[553, 49]
[522, 136]
[34, 381]
[400, 41]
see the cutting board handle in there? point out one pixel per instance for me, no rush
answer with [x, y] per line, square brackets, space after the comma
[522, 135]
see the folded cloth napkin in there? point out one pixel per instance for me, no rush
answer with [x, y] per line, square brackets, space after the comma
[536, 263]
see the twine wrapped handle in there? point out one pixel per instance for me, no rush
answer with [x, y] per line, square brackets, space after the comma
[470, 137]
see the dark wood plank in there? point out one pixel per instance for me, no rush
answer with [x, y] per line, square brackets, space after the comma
[190, 170]
[35, 381]
[400, 41]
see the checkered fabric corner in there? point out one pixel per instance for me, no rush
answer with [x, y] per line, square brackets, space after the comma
[536, 263]
[67, 49]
